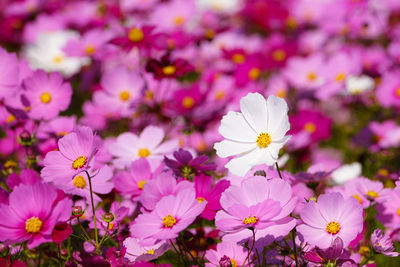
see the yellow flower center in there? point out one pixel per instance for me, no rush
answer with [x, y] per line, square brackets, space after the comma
[220, 95]
[398, 211]
[188, 102]
[254, 73]
[33, 225]
[238, 58]
[281, 93]
[250, 220]
[141, 184]
[310, 127]
[135, 35]
[358, 198]
[149, 94]
[209, 33]
[200, 199]
[90, 49]
[279, 55]
[110, 226]
[169, 70]
[364, 250]
[398, 92]
[143, 152]
[263, 140]
[151, 251]
[383, 172]
[45, 97]
[57, 59]
[178, 20]
[372, 194]
[9, 164]
[169, 221]
[79, 181]
[234, 263]
[312, 76]
[10, 118]
[79, 162]
[333, 227]
[124, 96]
[340, 77]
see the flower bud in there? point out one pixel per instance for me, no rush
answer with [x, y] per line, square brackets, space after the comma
[108, 217]
[77, 210]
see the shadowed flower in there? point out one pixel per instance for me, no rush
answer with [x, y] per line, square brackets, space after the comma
[383, 244]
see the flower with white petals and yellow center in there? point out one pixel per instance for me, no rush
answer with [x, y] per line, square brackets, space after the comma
[256, 134]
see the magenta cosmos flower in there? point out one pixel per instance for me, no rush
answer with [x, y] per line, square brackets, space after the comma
[9, 73]
[32, 214]
[171, 215]
[258, 203]
[74, 155]
[383, 244]
[329, 218]
[47, 95]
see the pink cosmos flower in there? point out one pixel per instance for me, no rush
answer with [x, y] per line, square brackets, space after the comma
[26, 177]
[165, 184]
[144, 249]
[388, 92]
[9, 73]
[259, 203]
[385, 134]
[57, 127]
[32, 214]
[92, 43]
[75, 154]
[174, 14]
[121, 89]
[388, 212]
[47, 95]
[211, 193]
[329, 218]
[227, 254]
[129, 147]
[171, 215]
[131, 183]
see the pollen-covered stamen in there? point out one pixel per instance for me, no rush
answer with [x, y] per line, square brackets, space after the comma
[186, 171]
[57, 59]
[333, 227]
[397, 92]
[143, 152]
[279, 55]
[45, 98]
[178, 20]
[310, 127]
[340, 77]
[79, 162]
[358, 198]
[250, 220]
[263, 140]
[79, 181]
[238, 58]
[124, 96]
[200, 199]
[141, 184]
[188, 102]
[398, 211]
[372, 194]
[311, 76]
[136, 35]
[169, 70]
[33, 225]
[90, 49]
[150, 251]
[254, 73]
[169, 221]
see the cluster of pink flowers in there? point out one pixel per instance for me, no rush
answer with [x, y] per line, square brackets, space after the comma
[199, 133]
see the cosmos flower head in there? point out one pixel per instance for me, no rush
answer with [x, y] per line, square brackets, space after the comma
[255, 135]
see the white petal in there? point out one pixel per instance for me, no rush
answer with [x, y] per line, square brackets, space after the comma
[243, 163]
[281, 130]
[277, 111]
[254, 109]
[274, 147]
[235, 127]
[228, 148]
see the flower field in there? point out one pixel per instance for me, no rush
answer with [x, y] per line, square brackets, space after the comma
[225, 133]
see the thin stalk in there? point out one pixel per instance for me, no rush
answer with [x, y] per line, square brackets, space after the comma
[279, 171]
[94, 214]
[294, 246]
[104, 236]
[84, 231]
[252, 246]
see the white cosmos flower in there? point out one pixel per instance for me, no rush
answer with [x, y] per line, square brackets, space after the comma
[357, 85]
[47, 53]
[255, 135]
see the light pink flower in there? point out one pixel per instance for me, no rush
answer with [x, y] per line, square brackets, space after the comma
[171, 215]
[227, 252]
[329, 218]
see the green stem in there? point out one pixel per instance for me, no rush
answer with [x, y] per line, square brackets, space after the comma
[104, 236]
[279, 171]
[252, 246]
[94, 214]
[294, 246]
[84, 232]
